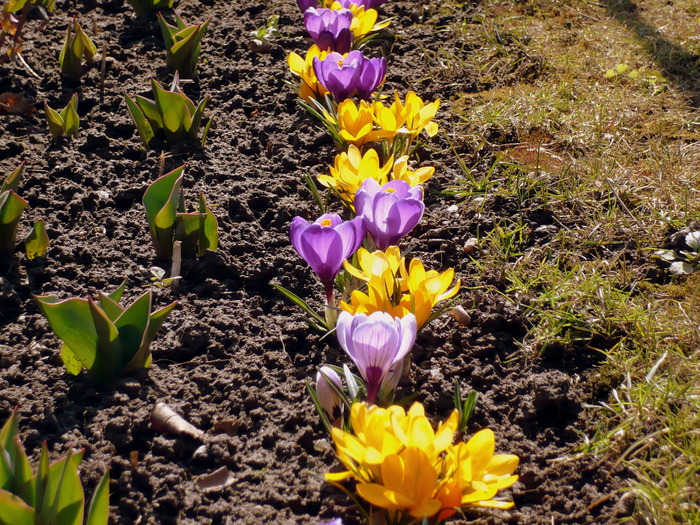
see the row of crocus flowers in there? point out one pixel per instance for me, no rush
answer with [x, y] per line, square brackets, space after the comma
[404, 469]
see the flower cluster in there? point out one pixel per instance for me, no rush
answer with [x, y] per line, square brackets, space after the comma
[376, 299]
[401, 464]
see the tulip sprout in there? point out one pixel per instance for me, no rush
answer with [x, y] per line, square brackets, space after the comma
[76, 47]
[66, 122]
[102, 336]
[170, 112]
[54, 494]
[11, 208]
[170, 222]
[146, 7]
[182, 43]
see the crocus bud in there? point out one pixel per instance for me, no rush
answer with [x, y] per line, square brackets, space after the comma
[329, 399]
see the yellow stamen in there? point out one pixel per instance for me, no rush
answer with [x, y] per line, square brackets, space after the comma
[390, 190]
[326, 222]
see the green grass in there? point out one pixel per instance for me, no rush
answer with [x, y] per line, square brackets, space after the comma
[588, 111]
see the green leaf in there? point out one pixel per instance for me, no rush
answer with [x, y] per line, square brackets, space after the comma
[167, 30]
[142, 125]
[187, 230]
[151, 111]
[98, 511]
[54, 120]
[15, 470]
[14, 510]
[161, 202]
[89, 48]
[116, 295]
[71, 321]
[132, 325]
[301, 304]
[12, 180]
[172, 107]
[108, 346]
[209, 228]
[110, 307]
[37, 242]
[155, 322]
[71, 120]
[67, 500]
[42, 486]
[193, 130]
[11, 208]
[70, 360]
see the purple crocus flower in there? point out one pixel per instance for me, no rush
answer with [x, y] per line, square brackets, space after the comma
[389, 211]
[305, 4]
[330, 28]
[375, 343]
[336, 521]
[350, 75]
[326, 243]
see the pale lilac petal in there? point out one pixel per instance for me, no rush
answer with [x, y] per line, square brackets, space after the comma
[409, 328]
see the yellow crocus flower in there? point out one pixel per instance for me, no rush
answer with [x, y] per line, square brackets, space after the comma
[355, 123]
[310, 87]
[409, 482]
[480, 473]
[402, 464]
[371, 441]
[418, 291]
[419, 115]
[351, 169]
[402, 172]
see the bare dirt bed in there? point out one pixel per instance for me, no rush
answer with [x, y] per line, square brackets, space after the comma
[234, 350]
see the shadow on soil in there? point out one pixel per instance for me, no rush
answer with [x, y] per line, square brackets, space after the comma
[678, 64]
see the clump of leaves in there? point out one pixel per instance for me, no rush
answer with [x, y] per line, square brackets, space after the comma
[655, 82]
[146, 7]
[686, 260]
[76, 48]
[66, 122]
[11, 208]
[169, 220]
[52, 496]
[102, 336]
[171, 113]
[15, 14]
[260, 43]
[183, 44]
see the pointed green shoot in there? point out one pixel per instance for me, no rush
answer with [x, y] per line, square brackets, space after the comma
[143, 126]
[15, 470]
[208, 228]
[161, 202]
[67, 122]
[183, 45]
[12, 180]
[98, 511]
[11, 208]
[37, 242]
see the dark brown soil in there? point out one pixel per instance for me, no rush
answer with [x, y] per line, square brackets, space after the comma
[233, 349]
